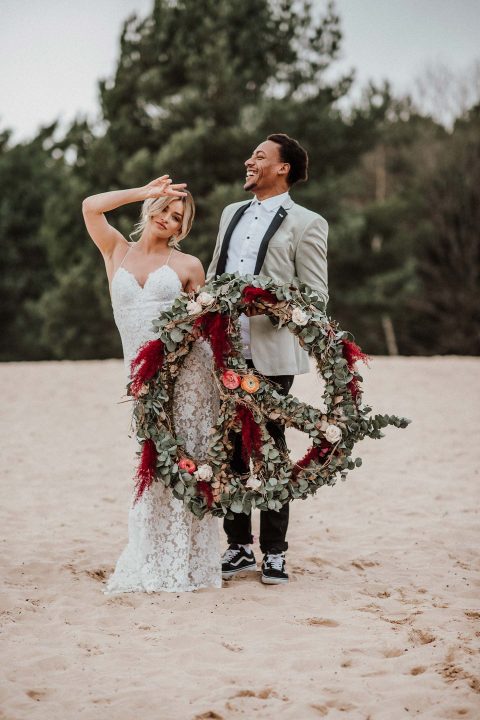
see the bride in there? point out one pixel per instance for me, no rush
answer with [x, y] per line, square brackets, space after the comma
[168, 548]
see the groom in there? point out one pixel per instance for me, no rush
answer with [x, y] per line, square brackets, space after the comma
[269, 235]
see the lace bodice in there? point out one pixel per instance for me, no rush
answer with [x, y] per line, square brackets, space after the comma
[168, 547]
[134, 306]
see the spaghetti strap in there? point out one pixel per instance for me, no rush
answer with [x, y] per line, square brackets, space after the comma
[123, 259]
[169, 255]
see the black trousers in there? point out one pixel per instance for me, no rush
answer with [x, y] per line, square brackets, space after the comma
[273, 523]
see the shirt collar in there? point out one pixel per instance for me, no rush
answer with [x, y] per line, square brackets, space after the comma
[272, 204]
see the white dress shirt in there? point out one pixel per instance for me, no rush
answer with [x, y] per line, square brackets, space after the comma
[245, 244]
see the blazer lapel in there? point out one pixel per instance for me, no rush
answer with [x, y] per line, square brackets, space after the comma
[222, 260]
[280, 216]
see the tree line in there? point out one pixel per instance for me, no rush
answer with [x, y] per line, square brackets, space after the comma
[198, 85]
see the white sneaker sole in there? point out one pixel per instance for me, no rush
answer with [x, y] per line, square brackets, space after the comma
[231, 573]
[273, 581]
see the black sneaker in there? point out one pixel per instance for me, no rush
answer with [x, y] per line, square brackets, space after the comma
[273, 568]
[236, 560]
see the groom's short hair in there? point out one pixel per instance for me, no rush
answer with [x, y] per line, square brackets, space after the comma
[294, 154]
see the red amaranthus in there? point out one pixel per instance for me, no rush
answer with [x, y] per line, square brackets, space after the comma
[352, 352]
[146, 468]
[251, 433]
[206, 491]
[253, 294]
[313, 454]
[146, 364]
[214, 328]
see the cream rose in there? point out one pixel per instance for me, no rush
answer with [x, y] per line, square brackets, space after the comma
[299, 317]
[333, 434]
[204, 472]
[205, 299]
[194, 307]
[253, 483]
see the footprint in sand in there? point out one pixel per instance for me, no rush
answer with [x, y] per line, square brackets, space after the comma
[264, 694]
[321, 709]
[261, 694]
[421, 637]
[94, 650]
[321, 622]
[96, 574]
[392, 652]
[37, 694]
[452, 673]
[208, 715]
[472, 614]
[99, 574]
[362, 564]
[319, 562]
[370, 608]
[417, 670]
[232, 647]
[119, 600]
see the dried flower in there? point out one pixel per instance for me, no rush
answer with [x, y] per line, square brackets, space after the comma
[205, 299]
[230, 379]
[333, 434]
[253, 482]
[194, 307]
[299, 317]
[204, 472]
[188, 465]
[250, 383]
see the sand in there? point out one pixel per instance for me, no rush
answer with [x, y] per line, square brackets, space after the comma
[380, 619]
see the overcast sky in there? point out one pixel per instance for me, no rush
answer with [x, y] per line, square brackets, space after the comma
[52, 52]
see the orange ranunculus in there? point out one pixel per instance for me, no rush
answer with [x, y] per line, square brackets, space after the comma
[188, 465]
[230, 379]
[250, 383]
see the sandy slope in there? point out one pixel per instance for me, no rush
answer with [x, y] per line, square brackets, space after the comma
[380, 619]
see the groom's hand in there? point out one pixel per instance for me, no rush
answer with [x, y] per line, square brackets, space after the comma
[252, 311]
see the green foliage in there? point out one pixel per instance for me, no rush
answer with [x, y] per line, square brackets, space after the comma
[333, 431]
[28, 176]
[198, 84]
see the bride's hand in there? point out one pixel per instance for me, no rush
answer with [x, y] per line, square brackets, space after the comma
[164, 186]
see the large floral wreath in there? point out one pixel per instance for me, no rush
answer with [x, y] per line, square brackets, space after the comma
[248, 401]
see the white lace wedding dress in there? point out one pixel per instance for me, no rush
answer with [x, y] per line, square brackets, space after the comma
[168, 548]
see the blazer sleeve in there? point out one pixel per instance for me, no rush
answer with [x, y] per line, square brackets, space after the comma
[311, 257]
[216, 252]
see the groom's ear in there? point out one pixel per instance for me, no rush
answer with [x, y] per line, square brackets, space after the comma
[284, 169]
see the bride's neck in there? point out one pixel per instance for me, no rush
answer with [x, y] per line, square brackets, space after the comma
[150, 243]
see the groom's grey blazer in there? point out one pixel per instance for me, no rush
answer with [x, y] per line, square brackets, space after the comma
[294, 246]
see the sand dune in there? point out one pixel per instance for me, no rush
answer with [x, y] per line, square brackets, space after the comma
[380, 619]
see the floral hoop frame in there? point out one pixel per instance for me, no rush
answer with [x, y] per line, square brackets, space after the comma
[248, 400]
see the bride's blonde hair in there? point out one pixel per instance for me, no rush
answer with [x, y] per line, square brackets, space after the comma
[152, 206]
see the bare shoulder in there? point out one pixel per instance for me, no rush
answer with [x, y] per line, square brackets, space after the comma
[190, 262]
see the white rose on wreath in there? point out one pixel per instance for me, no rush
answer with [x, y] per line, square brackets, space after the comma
[299, 317]
[205, 299]
[253, 483]
[333, 434]
[193, 307]
[204, 472]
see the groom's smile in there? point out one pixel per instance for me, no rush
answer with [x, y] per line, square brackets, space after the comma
[265, 170]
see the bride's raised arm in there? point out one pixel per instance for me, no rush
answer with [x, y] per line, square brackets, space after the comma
[94, 207]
